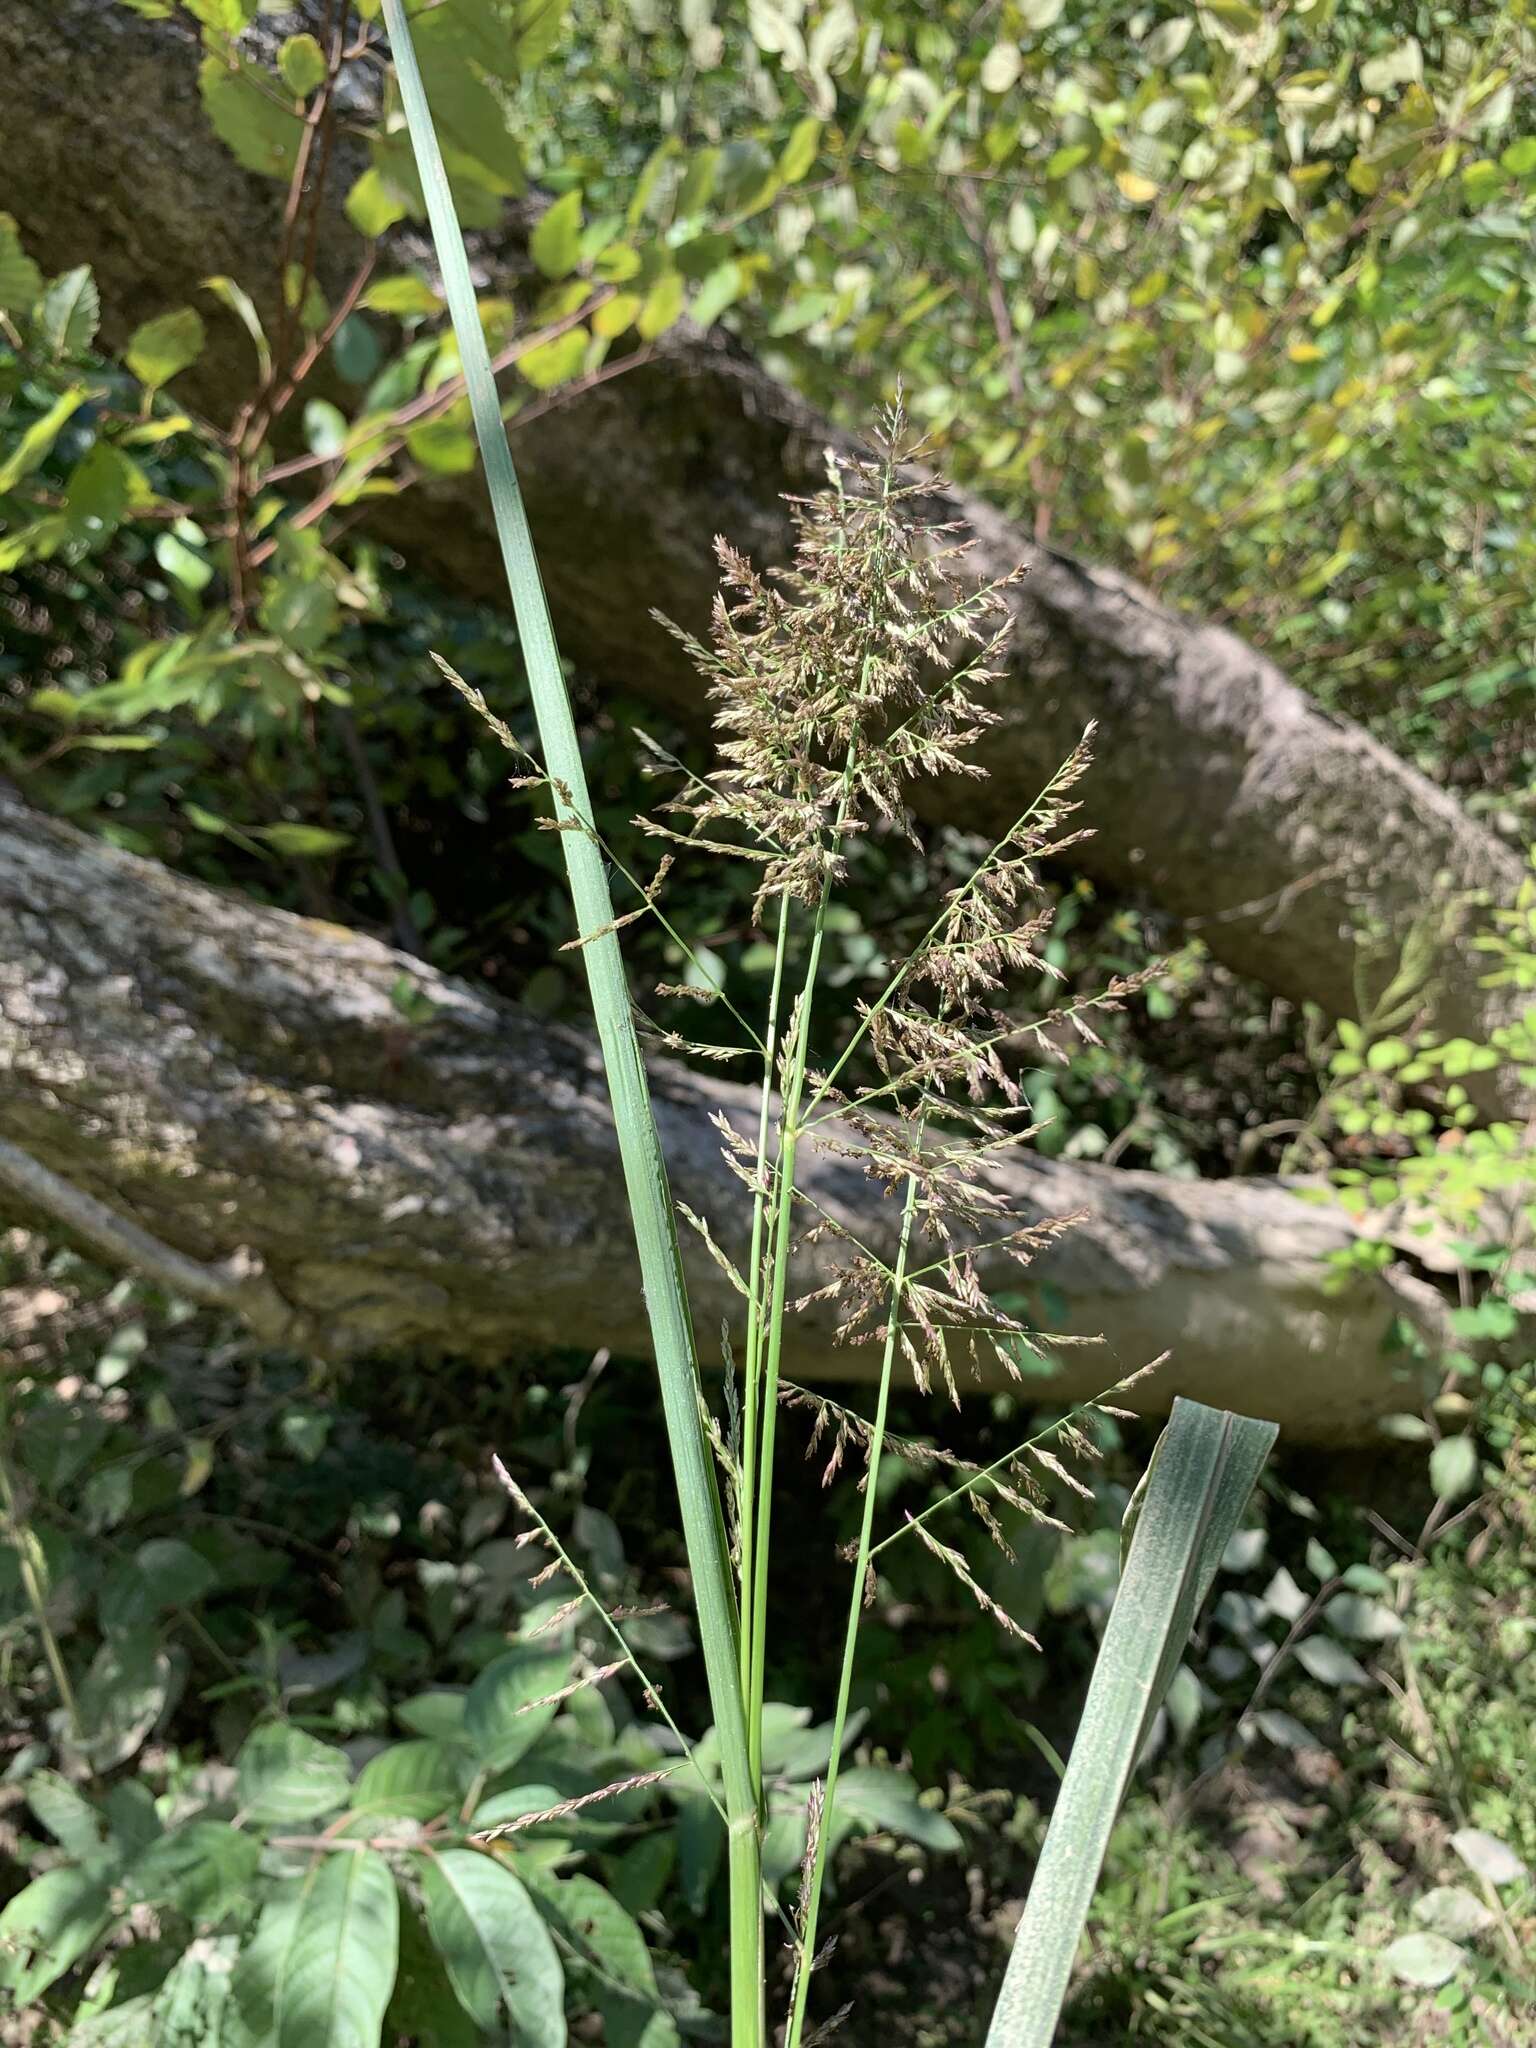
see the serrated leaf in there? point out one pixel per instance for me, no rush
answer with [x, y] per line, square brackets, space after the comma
[20, 278]
[261, 133]
[340, 1966]
[287, 1776]
[508, 1706]
[68, 313]
[500, 1957]
[164, 346]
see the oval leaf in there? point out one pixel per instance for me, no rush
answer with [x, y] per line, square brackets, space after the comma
[498, 1952]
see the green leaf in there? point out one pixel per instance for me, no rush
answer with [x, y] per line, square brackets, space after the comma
[1180, 1521]
[374, 204]
[68, 313]
[302, 842]
[722, 288]
[1453, 1467]
[556, 361]
[20, 278]
[126, 1690]
[555, 244]
[422, 2007]
[185, 565]
[1330, 1663]
[1423, 1960]
[287, 1776]
[887, 1801]
[67, 1815]
[203, 1869]
[417, 1779]
[340, 1965]
[800, 150]
[509, 1708]
[35, 443]
[48, 1926]
[164, 346]
[240, 303]
[663, 306]
[438, 1714]
[248, 117]
[302, 64]
[618, 1973]
[498, 1952]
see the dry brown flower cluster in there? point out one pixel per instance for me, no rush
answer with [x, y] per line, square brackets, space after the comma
[837, 684]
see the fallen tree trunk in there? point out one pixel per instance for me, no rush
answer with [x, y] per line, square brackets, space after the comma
[1221, 791]
[232, 1098]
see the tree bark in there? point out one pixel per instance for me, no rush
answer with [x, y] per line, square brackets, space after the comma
[1221, 791]
[233, 1097]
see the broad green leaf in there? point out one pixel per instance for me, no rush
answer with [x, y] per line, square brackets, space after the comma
[248, 117]
[619, 1976]
[499, 1954]
[97, 493]
[1453, 1467]
[509, 1707]
[556, 361]
[47, 1927]
[20, 278]
[287, 1776]
[1180, 1521]
[68, 312]
[418, 1779]
[615, 314]
[663, 306]
[1330, 1663]
[800, 150]
[887, 1802]
[438, 1714]
[423, 2008]
[340, 1965]
[302, 64]
[555, 244]
[203, 1868]
[374, 204]
[722, 288]
[126, 1690]
[66, 1813]
[165, 346]
[35, 443]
